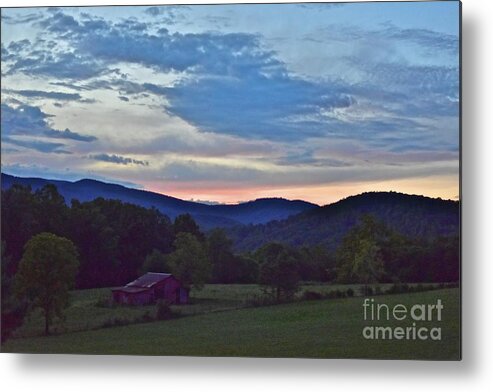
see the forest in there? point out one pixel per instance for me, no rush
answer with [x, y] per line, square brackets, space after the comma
[117, 241]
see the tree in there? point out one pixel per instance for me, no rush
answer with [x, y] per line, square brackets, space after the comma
[219, 249]
[185, 224]
[19, 220]
[46, 273]
[189, 262]
[359, 258]
[13, 311]
[278, 270]
[155, 261]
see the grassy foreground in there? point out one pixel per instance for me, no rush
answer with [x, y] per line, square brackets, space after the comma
[85, 312]
[322, 329]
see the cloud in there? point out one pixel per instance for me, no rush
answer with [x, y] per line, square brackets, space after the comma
[118, 159]
[237, 87]
[64, 65]
[256, 106]
[424, 37]
[37, 145]
[168, 14]
[26, 120]
[196, 173]
[389, 35]
[68, 134]
[21, 19]
[46, 94]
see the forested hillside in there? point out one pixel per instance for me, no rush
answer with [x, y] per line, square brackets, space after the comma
[410, 215]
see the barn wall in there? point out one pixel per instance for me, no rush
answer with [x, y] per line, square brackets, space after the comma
[170, 289]
[142, 298]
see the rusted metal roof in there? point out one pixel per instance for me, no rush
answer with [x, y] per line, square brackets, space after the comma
[148, 280]
[131, 290]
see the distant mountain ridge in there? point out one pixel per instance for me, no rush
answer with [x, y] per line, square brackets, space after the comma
[411, 215]
[224, 215]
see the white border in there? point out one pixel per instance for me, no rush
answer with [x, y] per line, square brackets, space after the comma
[96, 373]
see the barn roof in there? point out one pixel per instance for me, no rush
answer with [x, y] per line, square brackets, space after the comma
[148, 280]
[131, 290]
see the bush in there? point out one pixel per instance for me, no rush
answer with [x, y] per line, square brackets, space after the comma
[146, 318]
[116, 322]
[350, 292]
[163, 310]
[311, 295]
[332, 294]
[261, 300]
[367, 291]
[104, 302]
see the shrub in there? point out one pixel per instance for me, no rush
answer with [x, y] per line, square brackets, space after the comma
[350, 292]
[332, 294]
[311, 295]
[116, 322]
[145, 318]
[104, 302]
[261, 300]
[163, 310]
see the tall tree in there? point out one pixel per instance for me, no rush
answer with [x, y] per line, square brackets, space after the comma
[184, 223]
[219, 248]
[46, 273]
[359, 258]
[278, 270]
[13, 311]
[189, 262]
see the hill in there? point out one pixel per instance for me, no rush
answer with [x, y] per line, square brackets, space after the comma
[207, 216]
[410, 215]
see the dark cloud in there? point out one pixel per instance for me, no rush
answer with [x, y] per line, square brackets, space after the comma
[256, 107]
[68, 65]
[32, 17]
[70, 86]
[118, 159]
[68, 134]
[26, 120]
[60, 22]
[46, 94]
[37, 145]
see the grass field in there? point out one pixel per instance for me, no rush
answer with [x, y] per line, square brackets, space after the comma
[323, 329]
[84, 312]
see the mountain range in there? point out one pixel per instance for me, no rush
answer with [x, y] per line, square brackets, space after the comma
[298, 223]
[259, 211]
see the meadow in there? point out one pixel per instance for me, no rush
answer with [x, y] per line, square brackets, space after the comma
[329, 328]
[89, 308]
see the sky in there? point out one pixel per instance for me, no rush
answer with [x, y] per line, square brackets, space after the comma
[228, 103]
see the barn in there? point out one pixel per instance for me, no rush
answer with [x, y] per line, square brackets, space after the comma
[149, 288]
